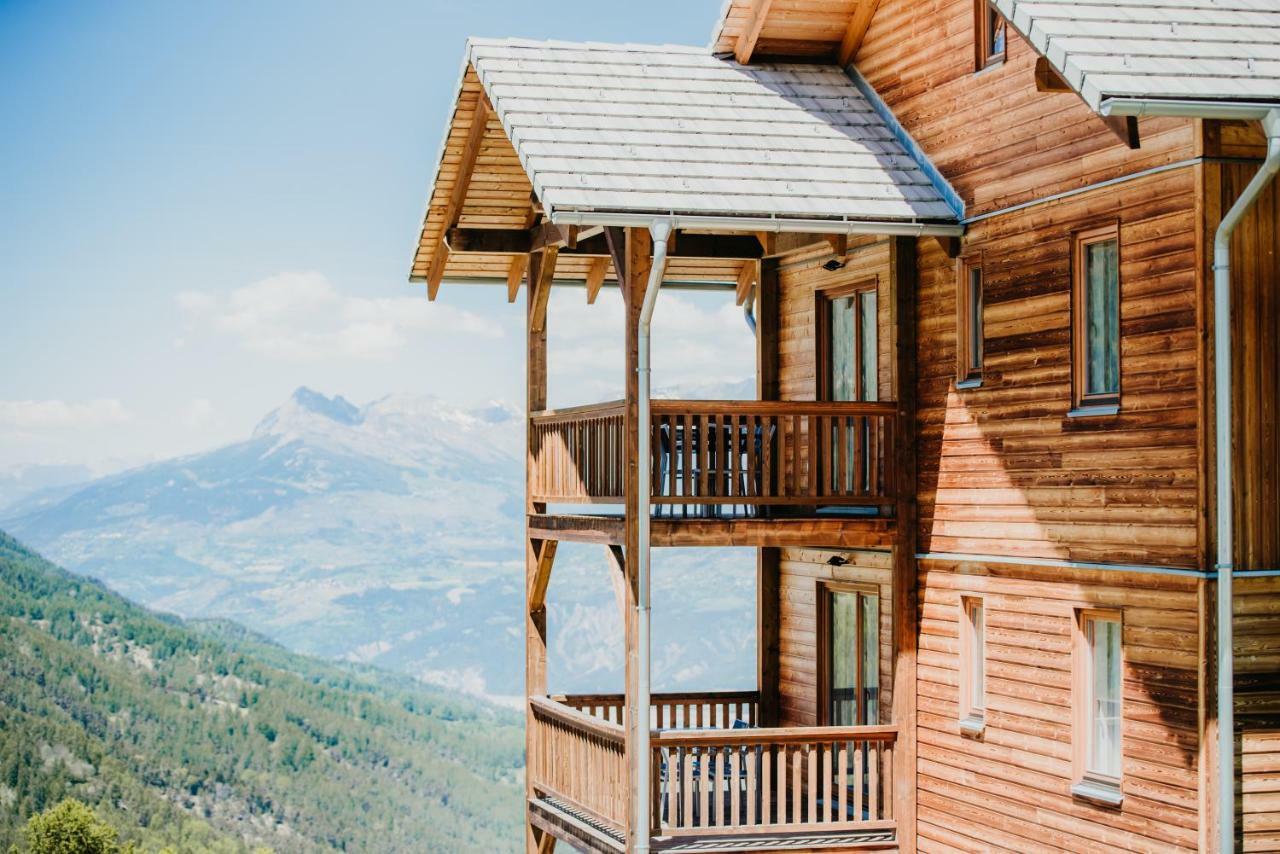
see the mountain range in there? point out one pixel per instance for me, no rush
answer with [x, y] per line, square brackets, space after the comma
[386, 534]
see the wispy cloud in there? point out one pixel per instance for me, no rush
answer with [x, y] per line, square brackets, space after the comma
[694, 342]
[303, 317]
[59, 414]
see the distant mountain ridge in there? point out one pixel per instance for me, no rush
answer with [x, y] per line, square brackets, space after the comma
[387, 533]
[207, 737]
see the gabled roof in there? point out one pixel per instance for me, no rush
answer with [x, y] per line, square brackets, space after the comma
[635, 128]
[1177, 49]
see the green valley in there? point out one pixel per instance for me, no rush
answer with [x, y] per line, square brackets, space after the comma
[205, 737]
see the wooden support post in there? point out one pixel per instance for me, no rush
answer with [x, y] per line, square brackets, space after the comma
[535, 551]
[902, 259]
[768, 560]
[632, 279]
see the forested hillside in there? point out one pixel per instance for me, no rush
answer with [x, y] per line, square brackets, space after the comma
[207, 738]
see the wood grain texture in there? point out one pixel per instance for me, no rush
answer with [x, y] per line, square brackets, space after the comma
[992, 134]
[1003, 469]
[1009, 790]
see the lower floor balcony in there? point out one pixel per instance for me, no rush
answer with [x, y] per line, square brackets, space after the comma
[718, 782]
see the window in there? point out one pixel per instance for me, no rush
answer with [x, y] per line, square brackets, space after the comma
[848, 343]
[991, 34]
[969, 330]
[1096, 320]
[973, 666]
[1098, 686]
[849, 621]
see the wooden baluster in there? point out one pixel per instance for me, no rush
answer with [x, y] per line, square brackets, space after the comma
[811, 457]
[752, 757]
[794, 480]
[842, 455]
[766, 784]
[781, 797]
[734, 783]
[703, 455]
[886, 751]
[752, 488]
[766, 456]
[673, 462]
[687, 818]
[828, 802]
[814, 750]
[797, 784]
[858, 774]
[842, 782]
[873, 780]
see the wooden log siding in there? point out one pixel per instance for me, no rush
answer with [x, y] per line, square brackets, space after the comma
[1003, 469]
[1260, 791]
[737, 453]
[998, 141]
[699, 710]
[816, 779]
[579, 759]
[1009, 790]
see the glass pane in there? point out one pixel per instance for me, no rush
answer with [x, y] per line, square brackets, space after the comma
[870, 348]
[870, 659]
[843, 381]
[1102, 318]
[1104, 741]
[844, 659]
[996, 33]
[975, 319]
[978, 664]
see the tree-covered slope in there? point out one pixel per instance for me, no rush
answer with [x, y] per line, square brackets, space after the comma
[208, 738]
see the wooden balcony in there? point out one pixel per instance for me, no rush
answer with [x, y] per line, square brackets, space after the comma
[719, 782]
[724, 472]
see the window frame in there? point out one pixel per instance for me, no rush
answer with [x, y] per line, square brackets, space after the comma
[824, 589]
[1084, 402]
[984, 56]
[823, 297]
[1087, 784]
[969, 366]
[973, 647]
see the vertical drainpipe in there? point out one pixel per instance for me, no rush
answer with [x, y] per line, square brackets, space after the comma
[660, 230]
[1225, 499]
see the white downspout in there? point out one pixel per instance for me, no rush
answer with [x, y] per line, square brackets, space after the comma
[1225, 502]
[660, 230]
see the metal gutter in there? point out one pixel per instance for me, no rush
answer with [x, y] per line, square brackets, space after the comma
[660, 229]
[1222, 350]
[771, 224]
[1139, 107]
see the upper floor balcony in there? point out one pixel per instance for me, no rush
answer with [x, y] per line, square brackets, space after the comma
[724, 472]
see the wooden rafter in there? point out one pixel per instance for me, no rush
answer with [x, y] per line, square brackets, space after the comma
[500, 241]
[542, 269]
[747, 278]
[615, 238]
[750, 35]
[856, 31]
[595, 278]
[546, 551]
[466, 165]
[515, 275]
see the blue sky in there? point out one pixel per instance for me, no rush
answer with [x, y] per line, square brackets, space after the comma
[203, 206]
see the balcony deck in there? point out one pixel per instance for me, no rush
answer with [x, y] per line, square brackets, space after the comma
[743, 473]
[719, 782]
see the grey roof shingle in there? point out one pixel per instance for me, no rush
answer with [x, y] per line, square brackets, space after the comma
[635, 128]
[1179, 49]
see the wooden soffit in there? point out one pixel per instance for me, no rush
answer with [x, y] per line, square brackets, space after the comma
[793, 29]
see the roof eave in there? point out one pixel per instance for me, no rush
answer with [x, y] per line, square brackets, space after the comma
[772, 224]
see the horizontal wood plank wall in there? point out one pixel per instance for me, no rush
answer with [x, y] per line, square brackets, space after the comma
[996, 139]
[1003, 469]
[800, 572]
[1257, 650]
[1009, 790]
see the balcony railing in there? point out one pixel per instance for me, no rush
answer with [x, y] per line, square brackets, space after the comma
[708, 455]
[724, 777]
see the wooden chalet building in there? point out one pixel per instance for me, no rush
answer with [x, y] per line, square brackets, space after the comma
[986, 249]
